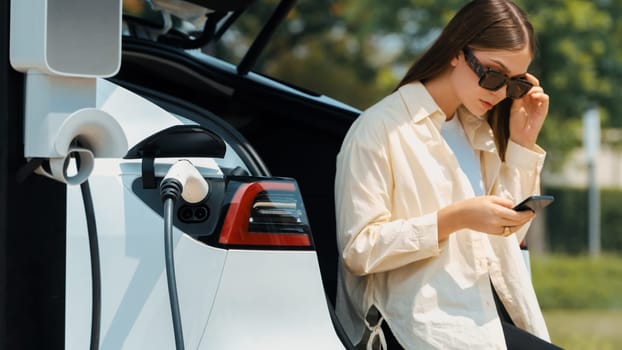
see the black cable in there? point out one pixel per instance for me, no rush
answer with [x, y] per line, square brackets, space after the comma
[29, 168]
[91, 228]
[170, 191]
[95, 265]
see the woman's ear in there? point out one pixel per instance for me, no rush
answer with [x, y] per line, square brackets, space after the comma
[454, 61]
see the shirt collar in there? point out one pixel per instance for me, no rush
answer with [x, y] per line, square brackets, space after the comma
[477, 130]
[420, 104]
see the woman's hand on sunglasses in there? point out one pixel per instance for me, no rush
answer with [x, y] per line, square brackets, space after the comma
[527, 115]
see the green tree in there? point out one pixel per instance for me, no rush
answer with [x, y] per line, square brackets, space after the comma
[357, 50]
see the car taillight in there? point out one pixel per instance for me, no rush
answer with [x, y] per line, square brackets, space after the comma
[268, 214]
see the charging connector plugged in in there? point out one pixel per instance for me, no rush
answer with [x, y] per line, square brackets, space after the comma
[184, 180]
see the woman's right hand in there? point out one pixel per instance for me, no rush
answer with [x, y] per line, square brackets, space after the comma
[527, 115]
[488, 214]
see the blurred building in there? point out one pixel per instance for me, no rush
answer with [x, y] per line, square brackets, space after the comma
[608, 163]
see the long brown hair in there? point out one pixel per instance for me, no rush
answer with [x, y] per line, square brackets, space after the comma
[480, 24]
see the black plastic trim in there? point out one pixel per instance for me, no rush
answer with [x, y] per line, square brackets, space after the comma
[260, 42]
[207, 119]
[336, 118]
[222, 5]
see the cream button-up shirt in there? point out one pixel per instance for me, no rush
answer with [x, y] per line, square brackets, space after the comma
[394, 172]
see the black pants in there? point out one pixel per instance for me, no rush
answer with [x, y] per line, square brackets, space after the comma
[390, 338]
[515, 338]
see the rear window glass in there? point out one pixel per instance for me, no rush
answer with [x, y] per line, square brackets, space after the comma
[311, 49]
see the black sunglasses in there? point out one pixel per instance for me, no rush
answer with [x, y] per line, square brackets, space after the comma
[493, 80]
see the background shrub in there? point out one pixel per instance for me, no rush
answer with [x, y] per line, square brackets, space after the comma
[567, 223]
[578, 282]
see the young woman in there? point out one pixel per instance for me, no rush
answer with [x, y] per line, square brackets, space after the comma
[425, 185]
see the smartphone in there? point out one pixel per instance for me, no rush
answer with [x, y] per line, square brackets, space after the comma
[534, 203]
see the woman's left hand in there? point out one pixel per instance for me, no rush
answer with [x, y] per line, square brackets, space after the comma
[527, 115]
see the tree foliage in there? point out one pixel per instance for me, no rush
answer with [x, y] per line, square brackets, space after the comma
[357, 50]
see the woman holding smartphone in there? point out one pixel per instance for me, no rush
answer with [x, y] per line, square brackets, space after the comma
[425, 185]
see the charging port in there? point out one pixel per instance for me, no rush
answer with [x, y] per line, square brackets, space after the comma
[193, 213]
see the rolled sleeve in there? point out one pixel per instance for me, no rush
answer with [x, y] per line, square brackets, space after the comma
[521, 175]
[523, 158]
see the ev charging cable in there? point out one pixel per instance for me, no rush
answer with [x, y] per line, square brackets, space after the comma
[184, 180]
[87, 199]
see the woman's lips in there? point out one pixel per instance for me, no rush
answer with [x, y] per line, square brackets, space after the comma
[486, 105]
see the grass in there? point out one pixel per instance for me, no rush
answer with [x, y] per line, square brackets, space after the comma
[585, 329]
[581, 298]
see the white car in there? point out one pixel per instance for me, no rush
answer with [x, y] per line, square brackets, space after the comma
[97, 107]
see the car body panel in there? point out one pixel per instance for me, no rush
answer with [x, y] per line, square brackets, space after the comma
[229, 299]
[270, 300]
[135, 310]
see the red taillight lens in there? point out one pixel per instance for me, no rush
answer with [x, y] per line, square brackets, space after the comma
[266, 213]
